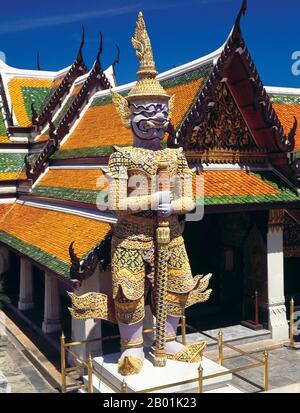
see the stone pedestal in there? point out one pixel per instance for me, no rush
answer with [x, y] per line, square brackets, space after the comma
[51, 321]
[151, 378]
[278, 324]
[26, 285]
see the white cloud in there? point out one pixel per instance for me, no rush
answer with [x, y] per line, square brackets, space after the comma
[21, 25]
[38, 22]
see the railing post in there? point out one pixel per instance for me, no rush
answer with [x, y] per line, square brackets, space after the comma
[63, 364]
[183, 328]
[90, 373]
[292, 310]
[266, 370]
[124, 387]
[200, 378]
[220, 346]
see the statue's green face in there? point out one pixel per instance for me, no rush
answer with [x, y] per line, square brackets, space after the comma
[149, 120]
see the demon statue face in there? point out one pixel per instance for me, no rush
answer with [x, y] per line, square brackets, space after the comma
[149, 120]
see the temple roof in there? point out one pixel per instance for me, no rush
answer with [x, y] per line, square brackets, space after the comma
[12, 166]
[72, 184]
[26, 87]
[232, 185]
[238, 134]
[26, 230]
[100, 126]
[245, 187]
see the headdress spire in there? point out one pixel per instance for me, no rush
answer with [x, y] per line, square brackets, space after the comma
[142, 45]
[147, 87]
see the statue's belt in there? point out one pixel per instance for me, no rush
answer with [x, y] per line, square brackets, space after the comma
[143, 228]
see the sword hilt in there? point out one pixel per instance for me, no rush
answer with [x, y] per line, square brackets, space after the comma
[163, 231]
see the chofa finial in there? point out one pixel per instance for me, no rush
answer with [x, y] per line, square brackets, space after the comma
[242, 12]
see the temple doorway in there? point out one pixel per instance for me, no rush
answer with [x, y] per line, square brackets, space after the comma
[292, 281]
[224, 245]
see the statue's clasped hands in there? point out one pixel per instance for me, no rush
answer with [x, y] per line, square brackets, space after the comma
[165, 208]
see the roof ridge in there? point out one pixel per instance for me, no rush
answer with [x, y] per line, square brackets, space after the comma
[95, 78]
[77, 69]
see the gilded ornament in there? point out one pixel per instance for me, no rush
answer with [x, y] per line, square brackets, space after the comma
[192, 353]
[130, 365]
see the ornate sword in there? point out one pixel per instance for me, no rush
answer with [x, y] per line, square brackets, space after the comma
[162, 239]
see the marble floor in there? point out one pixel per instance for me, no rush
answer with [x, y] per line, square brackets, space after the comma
[19, 372]
[236, 334]
[284, 370]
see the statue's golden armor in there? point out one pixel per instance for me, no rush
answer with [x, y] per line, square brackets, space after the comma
[148, 266]
[133, 242]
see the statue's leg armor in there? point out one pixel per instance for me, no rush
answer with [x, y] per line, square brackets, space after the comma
[132, 351]
[172, 345]
[183, 291]
[191, 353]
[130, 315]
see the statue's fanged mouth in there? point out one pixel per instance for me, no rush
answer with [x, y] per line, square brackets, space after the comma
[145, 125]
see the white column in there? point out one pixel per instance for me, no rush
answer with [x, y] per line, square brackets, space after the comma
[278, 324]
[26, 285]
[91, 328]
[51, 321]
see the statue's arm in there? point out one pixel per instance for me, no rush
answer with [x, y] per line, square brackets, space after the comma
[184, 200]
[119, 201]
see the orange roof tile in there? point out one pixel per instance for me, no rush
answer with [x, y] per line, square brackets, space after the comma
[15, 87]
[184, 97]
[235, 183]
[72, 178]
[31, 225]
[228, 187]
[101, 124]
[7, 176]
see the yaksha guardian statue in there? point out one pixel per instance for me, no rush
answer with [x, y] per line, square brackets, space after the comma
[149, 188]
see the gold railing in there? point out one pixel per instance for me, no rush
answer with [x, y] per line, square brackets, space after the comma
[220, 341]
[292, 310]
[86, 364]
[198, 381]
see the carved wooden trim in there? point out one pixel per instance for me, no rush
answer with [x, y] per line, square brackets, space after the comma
[276, 220]
[77, 69]
[227, 156]
[223, 126]
[201, 111]
[94, 82]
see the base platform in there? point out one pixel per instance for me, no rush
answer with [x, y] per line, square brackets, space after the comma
[173, 378]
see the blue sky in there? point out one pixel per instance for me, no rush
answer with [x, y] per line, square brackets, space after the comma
[180, 30]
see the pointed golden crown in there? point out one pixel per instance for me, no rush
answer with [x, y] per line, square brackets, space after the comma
[147, 86]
